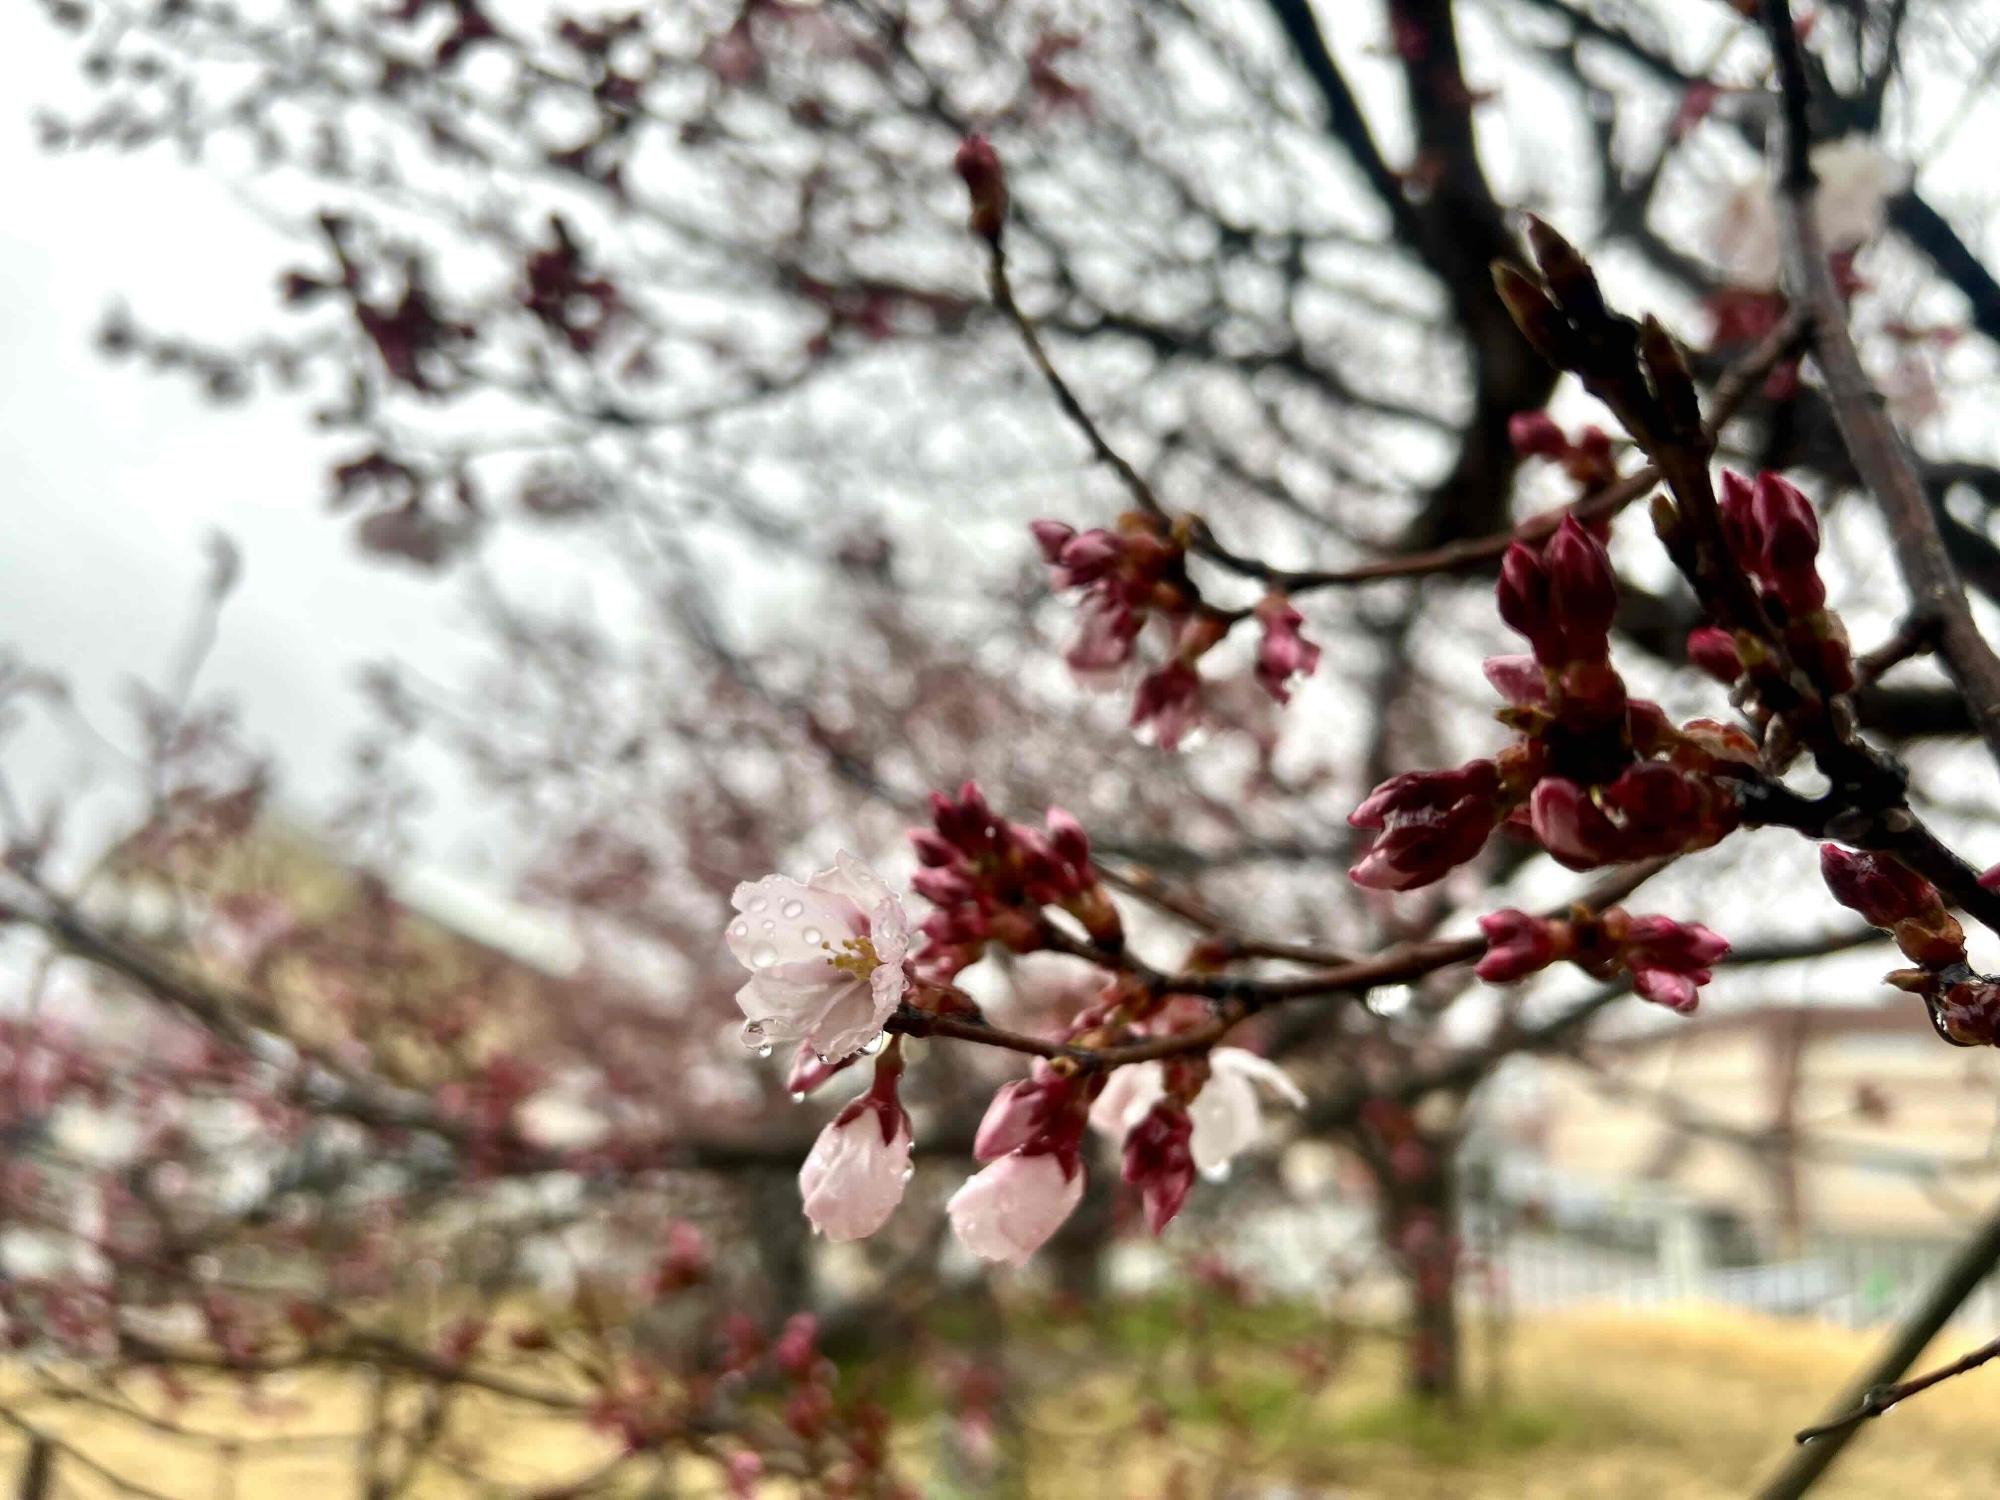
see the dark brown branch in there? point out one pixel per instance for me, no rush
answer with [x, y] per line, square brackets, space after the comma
[1880, 456]
[1974, 1262]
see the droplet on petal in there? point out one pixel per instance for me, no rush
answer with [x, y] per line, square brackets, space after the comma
[875, 1044]
[792, 910]
[763, 955]
[756, 903]
[741, 929]
[812, 936]
[752, 1033]
[766, 1050]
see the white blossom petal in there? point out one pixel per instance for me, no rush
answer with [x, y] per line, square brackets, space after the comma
[853, 1179]
[1008, 1210]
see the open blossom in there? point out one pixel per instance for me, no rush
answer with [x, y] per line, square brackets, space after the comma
[1227, 1113]
[825, 957]
[853, 1178]
[1007, 1211]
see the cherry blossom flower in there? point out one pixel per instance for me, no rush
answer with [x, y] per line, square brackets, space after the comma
[853, 1178]
[1226, 1113]
[825, 957]
[1007, 1211]
[1856, 182]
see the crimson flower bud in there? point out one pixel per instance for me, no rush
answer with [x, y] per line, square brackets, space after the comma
[1583, 592]
[796, 1349]
[1159, 1161]
[1051, 536]
[1019, 1112]
[1087, 557]
[809, 1070]
[1677, 992]
[1789, 526]
[1518, 679]
[1883, 889]
[932, 849]
[1283, 653]
[978, 165]
[945, 885]
[1714, 651]
[1523, 595]
[1534, 434]
[1069, 839]
[1428, 822]
[1740, 529]
[1570, 826]
[1517, 945]
[1663, 943]
[1170, 700]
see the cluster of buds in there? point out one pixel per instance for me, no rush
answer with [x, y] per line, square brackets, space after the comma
[1773, 536]
[579, 307]
[1129, 575]
[1669, 961]
[1596, 777]
[1587, 459]
[990, 880]
[1964, 1006]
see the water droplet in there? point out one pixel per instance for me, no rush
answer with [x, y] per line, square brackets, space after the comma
[792, 910]
[766, 1050]
[908, 1173]
[812, 935]
[763, 955]
[769, 925]
[798, 1096]
[755, 903]
[1217, 1173]
[875, 1043]
[752, 1033]
[741, 929]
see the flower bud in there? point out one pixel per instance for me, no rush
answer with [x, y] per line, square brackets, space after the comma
[1517, 945]
[1159, 1161]
[1523, 596]
[1714, 651]
[1881, 888]
[1583, 592]
[1534, 434]
[978, 165]
[1019, 1112]
[1428, 822]
[1518, 679]
[1068, 837]
[1008, 1211]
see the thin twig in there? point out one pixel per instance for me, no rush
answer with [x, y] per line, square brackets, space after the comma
[1880, 456]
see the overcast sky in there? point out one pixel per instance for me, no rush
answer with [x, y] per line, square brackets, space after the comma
[115, 476]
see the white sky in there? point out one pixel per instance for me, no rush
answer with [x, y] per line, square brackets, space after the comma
[115, 475]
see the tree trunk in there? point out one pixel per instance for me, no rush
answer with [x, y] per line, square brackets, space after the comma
[1416, 1190]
